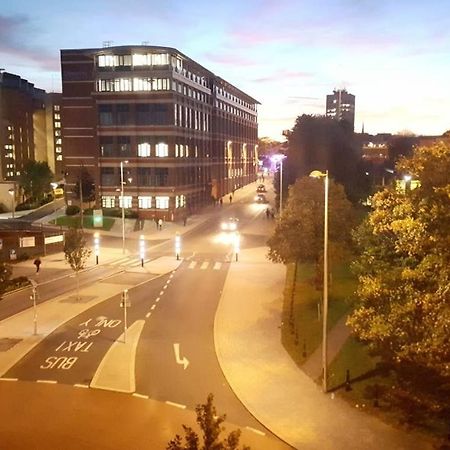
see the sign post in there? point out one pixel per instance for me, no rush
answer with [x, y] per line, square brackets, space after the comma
[125, 303]
[33, 297]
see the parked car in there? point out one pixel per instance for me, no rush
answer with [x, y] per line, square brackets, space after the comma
[261, 189]
[261, 198]
[230, 225]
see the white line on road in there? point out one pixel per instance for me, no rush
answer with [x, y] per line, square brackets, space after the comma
[9, 379]
[140, 395]
[204, 265]
[165, 286]
[192, 264]
[168, 281]
[161, 293]
[217, 266]
[46, 381]
[153, 307]
[255, 431]
[84, 386]
[177, 405]
[158, 299]
[148, 315]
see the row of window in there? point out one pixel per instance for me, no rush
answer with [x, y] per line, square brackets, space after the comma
[144, 201]
[191, 118]
[140, 114]
[133, 84]
[226, 94]
[148, 59]
[236, 111]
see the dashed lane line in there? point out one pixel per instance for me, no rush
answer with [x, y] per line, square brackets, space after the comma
[8, 379]
[168, 281]
[177, 405]
[153, 307]
[192, 264]
[135, 394]
[204, 265]
[46, 381]
[161, 293]
[261, 433]
[83, 386]
[217, 266]
[158, 299]
[148, 315]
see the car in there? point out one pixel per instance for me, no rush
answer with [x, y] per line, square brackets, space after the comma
[260, 198]
[261, 189]
[230, 225]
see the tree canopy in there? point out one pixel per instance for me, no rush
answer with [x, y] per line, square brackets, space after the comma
[87, 185]
[298, 235]
[35, 179]
[404, 268]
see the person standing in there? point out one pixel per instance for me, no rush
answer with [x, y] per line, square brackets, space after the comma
[160, 224]
[230, 198]
[37, 263]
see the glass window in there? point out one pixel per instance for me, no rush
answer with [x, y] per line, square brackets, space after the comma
[105, 115]
[144, 149]
[56, 107]
[108, 201]
[127, 201]
[162, 202]
[162, 150]
[145, 202]
[59, 158]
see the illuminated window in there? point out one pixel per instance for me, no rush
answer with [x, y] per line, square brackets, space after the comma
[57, 124]
[57, 132]
[56, 107]
[108, 201]
[57, 116]
[162, 202]
[58, 149]
[145, 202]
[127, 201]
[162, 150]
[58, 157]
[144, 149]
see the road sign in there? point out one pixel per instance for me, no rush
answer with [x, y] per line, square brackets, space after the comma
[125, 301]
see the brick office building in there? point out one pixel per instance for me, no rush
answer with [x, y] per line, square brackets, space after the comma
[176, 134]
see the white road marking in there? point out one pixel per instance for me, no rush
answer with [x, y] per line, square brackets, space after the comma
[217, 266]
[256, 431]
[192, 264]
[158, 299]
[84, 386]
[168, 281]
[177, 405]
[135, 394]
[171, 275]
[119, 261]
[153, 307]
[148, 315]
[204, 265]
[46, 381]
[161, 293]
[9, 379]
[165, 286]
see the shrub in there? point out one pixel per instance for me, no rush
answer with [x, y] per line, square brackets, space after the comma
[71, 210]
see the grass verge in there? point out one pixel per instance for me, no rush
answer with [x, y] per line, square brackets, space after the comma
[74, 221]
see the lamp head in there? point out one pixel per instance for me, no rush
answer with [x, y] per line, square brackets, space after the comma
[318, 174]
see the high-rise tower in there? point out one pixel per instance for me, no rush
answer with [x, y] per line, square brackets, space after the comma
[341, 106]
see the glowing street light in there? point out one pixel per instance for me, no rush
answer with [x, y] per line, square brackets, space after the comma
[324, 175]
[278, 159]
[12, 193]
[142, 249]
[177, 246]
[96, 246]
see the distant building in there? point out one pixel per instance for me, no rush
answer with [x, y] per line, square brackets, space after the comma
[174, 133]
[341, 106]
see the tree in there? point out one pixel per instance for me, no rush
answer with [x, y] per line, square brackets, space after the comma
[211, 426]
[298, 236]
[35, 179]
[75, 252]
[400, 146]
[319, 142]
[5, 275]
[87, 186]
[403, 272]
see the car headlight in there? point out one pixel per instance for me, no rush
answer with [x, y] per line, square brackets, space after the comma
[233, 226]
[224, 226]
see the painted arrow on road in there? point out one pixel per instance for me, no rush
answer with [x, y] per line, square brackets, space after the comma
[184, 361]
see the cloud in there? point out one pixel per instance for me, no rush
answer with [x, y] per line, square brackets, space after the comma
[282, 75]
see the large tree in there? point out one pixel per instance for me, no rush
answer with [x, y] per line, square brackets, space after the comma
[87, 186]
[298, 235]
[211, 426]
[35, 179]
[5, 275]
[404, 272]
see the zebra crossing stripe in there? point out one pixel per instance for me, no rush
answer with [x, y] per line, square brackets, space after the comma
[204, 265]
[192, 265]
[119, 262]
[217, 266]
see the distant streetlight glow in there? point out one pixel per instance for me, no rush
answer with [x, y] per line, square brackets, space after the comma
[12, 193]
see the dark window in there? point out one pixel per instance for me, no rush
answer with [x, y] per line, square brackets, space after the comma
[106, 146]
[123, 114]
[105, 116]
[144, 176]
[152, 114]
[124, 146]
[161, 175]
[108, 177]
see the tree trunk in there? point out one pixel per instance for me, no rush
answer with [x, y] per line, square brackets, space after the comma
[78, 285]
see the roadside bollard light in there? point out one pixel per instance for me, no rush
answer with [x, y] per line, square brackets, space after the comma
[125, 303]
[237, 245]
[33, 298]
[142, 249]
[96, 246]
[177, 246]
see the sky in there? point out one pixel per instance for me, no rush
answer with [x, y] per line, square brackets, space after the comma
[393, 55]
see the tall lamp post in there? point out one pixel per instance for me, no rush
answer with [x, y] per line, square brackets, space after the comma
[324, 175]
[12, 193]
[123, 204]
[278, 159]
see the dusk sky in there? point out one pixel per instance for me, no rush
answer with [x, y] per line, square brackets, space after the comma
[393, 55]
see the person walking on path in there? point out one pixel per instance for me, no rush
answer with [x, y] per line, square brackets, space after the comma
[267, 213]
[221, 201]
[184, 220]
[37, 263]
[160, 224]
[156, 223]
[230, 198]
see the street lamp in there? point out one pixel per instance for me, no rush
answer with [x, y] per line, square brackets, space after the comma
[142, 249]
[12, 193]
[96, 246]
[324, 175]
[279, 159]
[123, 205]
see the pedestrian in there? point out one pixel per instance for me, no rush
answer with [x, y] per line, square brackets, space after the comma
[156, 223]
[37, 263]
[184, 220]
[272, 213]
[230, 198]
[267, 213]
[221, 201]
[160, 224]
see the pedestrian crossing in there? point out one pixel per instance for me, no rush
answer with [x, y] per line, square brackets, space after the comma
[206, 265]
[127, 261]
[130, 262]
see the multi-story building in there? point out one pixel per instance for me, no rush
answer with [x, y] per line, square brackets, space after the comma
[54, 155]
[341, 106]
[154, 121]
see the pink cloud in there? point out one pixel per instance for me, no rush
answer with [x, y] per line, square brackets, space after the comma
[283, 74]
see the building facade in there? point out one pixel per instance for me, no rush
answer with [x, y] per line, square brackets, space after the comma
[153, 122]
[341, 106]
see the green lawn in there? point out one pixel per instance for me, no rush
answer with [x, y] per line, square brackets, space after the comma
[304, 330]
[74, 221]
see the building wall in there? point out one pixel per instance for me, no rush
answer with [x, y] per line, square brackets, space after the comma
[188, 136]
[341, 106]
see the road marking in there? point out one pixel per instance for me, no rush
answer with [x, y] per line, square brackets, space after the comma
[217, 266]
[192, 264]
[84, 386]
[161, 293]
[148, 315]
[153, 307]
[158, 299]
[46, 381]
[168, 281]
[255, 431]
[204, 265]
[9, 379]
[165, 287]
[135, 394]
[184, 362]
[177, 405]
[171, 275]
